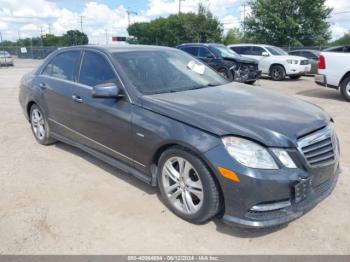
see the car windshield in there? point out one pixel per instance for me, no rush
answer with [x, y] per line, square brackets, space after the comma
[223, 51]
[276, 50]
[165, 71]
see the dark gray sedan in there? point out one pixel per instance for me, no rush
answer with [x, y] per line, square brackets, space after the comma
[213, 148]
[312, 55]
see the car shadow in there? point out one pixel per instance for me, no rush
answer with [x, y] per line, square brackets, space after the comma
[323, 93]
[287, 79]
[241, 232]
[108, 168]
[234, 231]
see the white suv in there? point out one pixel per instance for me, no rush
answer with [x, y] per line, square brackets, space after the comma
[273, 61]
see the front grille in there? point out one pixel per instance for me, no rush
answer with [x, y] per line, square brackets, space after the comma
[304, 62]
[319, 148]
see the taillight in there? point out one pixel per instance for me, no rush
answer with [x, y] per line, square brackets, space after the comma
[321, 62]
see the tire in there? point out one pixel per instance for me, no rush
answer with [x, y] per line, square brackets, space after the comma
[39, 126]
[277, 73]
[227, 74]
[294, 77]
[345, 88]
[250, 82]
[200, 205]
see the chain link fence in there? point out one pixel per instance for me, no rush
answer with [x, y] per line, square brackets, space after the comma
[33, 52]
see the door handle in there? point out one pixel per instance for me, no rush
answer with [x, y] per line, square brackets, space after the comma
[42, 85]
[77, 99]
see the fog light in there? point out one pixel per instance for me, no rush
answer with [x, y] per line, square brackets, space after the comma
[271, 207]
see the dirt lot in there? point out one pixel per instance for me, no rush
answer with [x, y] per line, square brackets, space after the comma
[59, 200]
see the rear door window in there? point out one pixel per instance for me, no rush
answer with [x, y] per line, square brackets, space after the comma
[204, 52]
[256, 50]
[242, 50]
[63, 66]
[95, 70]
[192, 50]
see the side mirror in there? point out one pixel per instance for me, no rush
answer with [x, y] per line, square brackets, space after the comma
[265, 54]
[108, 90]
[210, 56]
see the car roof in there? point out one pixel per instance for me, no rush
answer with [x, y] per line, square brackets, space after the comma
[334, 47]
[305, 50]
[201, 44]
[119, 48]
[260, 45]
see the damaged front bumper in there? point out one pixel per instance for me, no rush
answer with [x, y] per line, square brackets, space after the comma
[245, 73]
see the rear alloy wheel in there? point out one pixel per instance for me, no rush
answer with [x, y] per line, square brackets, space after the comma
[277, 73]
[345, 88]
[39, 126]
[187, 187]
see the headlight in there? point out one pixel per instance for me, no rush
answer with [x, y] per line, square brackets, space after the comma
[284, 157]
[292, 61]
[249, 153]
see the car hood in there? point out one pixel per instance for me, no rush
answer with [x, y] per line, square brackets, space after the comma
[242, 59]
[237, 109]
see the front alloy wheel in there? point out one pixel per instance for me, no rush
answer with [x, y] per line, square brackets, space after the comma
[187, 186]
[182, 185]
[277, 73]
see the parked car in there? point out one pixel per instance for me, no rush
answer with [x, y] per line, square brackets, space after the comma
[334, 72]
[274, 61]
[341, 49]
[213, 147]
[312, 55]
[228, 63]
[6, 59]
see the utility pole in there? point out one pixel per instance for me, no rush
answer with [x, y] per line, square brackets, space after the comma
[130, 12]
[41, 35]
[244, 6]
[50, 29]
[18, 42]
[180, 6]
[106, 36]
[81, 23]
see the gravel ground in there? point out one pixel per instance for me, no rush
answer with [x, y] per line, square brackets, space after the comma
[59, 200]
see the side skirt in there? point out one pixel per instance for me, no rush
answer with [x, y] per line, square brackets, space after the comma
[109, 160]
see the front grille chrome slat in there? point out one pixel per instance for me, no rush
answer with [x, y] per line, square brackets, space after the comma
[318, 148]
[322, 150]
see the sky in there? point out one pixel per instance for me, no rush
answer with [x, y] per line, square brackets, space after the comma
[106, 18]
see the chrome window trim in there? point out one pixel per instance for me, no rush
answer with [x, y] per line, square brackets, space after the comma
[98, 143]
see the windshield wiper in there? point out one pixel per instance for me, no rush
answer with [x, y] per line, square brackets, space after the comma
[200, 87]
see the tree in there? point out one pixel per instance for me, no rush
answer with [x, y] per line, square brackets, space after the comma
[233, 36]
[73, 37]
[344, 40]
[285, 22]
[51, 40]
[177, 29]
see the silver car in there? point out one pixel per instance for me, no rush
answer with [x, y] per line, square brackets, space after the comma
[6, 59]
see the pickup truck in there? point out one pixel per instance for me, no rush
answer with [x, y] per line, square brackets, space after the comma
[334, 72]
